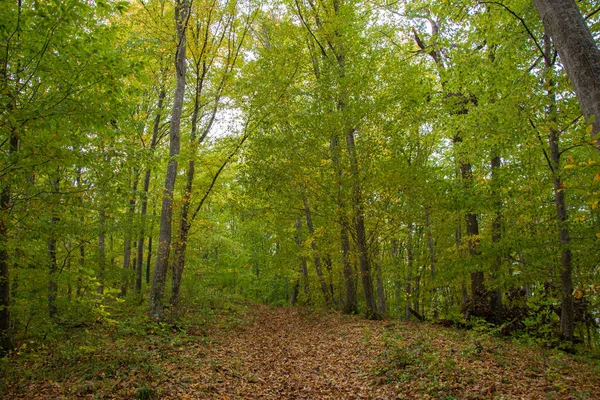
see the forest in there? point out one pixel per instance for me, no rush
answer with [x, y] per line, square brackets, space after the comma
[204, 165]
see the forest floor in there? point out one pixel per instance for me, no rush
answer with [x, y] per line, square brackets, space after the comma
[260, 352]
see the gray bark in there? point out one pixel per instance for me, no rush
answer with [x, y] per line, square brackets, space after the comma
[579, 53]
[567, 315]
[381, 306]
[316, 255]
[144, 209]
[128, 233]
[53, 266]
[102, 246]
[496, 295]
[155, 307]
[303, 266]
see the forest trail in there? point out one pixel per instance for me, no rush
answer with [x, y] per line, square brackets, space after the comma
[293, 353]
[266, 353]
[298, 353]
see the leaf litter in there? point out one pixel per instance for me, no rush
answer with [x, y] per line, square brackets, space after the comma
[302, 353]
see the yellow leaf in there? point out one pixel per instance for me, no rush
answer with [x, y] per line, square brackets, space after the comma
[597, 177]
[589, 129]
[570, 159]
[598, 235]
[568, 166]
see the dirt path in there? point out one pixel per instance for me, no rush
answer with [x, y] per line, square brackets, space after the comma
[288, 353]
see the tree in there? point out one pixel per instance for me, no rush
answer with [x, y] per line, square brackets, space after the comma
[579, 52]
[182, 8]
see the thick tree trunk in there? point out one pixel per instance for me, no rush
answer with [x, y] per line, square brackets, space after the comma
[567, 315]
[140, 245]
[579, 53]
[316, 255]
[155, 307]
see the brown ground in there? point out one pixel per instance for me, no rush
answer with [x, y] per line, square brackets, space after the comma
[296, 353]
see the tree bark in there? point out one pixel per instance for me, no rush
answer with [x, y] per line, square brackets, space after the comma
[102, 246]
[155, 307]
[361, 236]
[409, 271]
[144, 209]
[303, 266]
[316, 255]
[128, 234]
[53, 266]
[496, 295]
[432, 261]
[567, 315]
[579, 53]
[381, 306]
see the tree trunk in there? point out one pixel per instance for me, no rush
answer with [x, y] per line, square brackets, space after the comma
[361, 236]
[128, 233]
[432, 261]
[381, 306]
[6, 339]
[567, 315]
[303, 265]
[316, 255]
[53, 266]
[579, 53]
[409, 271]
[155, 307]
[140, 245]
[351, 297]
[102, 246]
[496, 295]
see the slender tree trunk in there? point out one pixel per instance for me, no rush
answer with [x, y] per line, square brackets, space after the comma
[128, 233]
[381, 306]
[351, 297]
[144, 209]
[150, 235]
[316, 255]
[496, 295]
[579, 53]
[567, 315]
[409, 271]
[361, 236]
[102, 246]
[79, 283]
[432, 261]
[155, 307]
[303, 266]
[6, 338]
[53, 266]
[478, 291]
